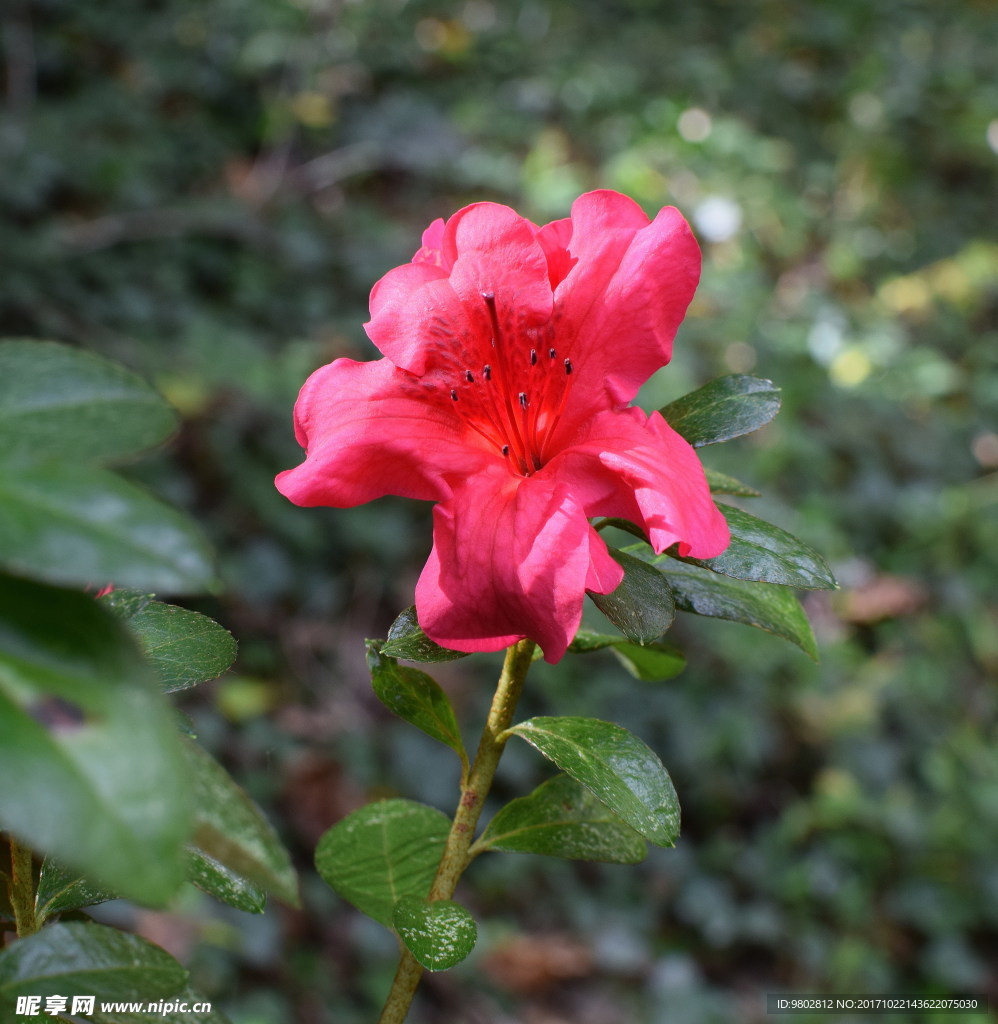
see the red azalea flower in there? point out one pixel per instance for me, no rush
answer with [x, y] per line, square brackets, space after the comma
[511, 353]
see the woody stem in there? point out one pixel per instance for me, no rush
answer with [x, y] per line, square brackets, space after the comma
[21, 887]
[473, 793]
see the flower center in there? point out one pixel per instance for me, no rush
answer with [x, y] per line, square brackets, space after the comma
[515, 401]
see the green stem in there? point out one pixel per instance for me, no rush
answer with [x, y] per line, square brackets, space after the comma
[474, 790]
[22, 889]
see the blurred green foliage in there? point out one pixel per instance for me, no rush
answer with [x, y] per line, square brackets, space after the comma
[207, 192]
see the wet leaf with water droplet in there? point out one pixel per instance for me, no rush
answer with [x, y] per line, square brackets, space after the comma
[438, 933]
[382, 852]
[561, 818]
[620, 770]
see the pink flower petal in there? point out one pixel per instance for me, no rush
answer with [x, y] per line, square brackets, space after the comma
[554, 239]
[605, 572]
[511, 354]
[368, 431]
[511, 559]
[625, 297]
[432, 315]
[495, 251]
[408, 306]
[638, 468]
[433, 238]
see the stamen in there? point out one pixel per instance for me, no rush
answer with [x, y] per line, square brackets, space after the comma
[499, 344]
[520, 424]
[491, 438]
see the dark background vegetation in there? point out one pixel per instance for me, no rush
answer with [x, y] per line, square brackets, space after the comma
[207, 191]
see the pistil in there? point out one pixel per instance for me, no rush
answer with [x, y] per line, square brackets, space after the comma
[516, 401]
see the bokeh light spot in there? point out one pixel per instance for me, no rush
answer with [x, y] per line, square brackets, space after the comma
[694, 124]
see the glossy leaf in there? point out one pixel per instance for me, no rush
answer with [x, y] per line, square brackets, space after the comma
[439, 934]
[763, 605]
[185, 647]
[90, 744]
[762, 552]
[79, 958]
[620, 770]
[61, 889]
[406, 640]
[414, 697]
[623, 524]
[61, 402]
[561, 818]
[723, 408]
[721, 483]
[641, 607]
[382, 852]
[79, 525]
[214, 878]
[652, 663]
[231, 829]
[587, 640]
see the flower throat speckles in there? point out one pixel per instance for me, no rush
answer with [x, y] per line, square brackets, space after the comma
[515, 401]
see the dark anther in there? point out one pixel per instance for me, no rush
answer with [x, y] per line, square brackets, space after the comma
[505, 449]
[490, 302]
[470, 376]
[487, 371]
[568, 366]
[453, 394]
[523, 399]
[533, 357]
[551, 353]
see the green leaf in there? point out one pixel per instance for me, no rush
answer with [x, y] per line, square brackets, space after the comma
[763, 605]
[124, 604]
[620, 770]
[561, 818]
[214, 878]
[78, 525]
[623, 524]
[414, 697]
[61, 889]
[762, 552]
[382, 852]
[587, 640]
[641, 607]
[723, 408]
[406, 640]
[75, 958]
[185, 647]
[101, 782]
[652, 663]
[230, 829]
[60, 402]
[439, 934]
[720, 483]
